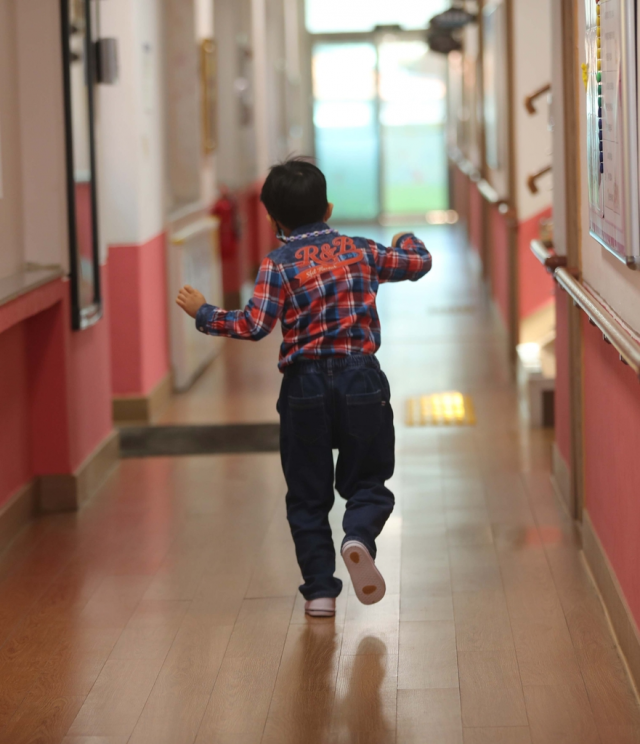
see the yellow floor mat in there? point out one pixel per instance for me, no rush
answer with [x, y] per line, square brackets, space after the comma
[441, 409]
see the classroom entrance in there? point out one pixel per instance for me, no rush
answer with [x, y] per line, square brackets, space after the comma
[379, 124]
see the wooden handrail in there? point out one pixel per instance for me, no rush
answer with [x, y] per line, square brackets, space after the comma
[530, 100]
[548, 258]
[612, 330]
[532, 181]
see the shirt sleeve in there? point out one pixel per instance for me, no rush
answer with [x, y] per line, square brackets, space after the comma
[258, 318]
[409, 260]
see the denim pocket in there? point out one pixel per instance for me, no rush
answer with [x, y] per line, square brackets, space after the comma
[308, 418]
[364, 414]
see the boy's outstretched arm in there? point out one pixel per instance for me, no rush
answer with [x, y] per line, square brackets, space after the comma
[256, 321]
[407, 259]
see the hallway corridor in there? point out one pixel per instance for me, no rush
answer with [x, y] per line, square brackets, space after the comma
[166, 611]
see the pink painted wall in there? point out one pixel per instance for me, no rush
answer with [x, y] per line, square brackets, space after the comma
[50, 389]
[536, 285]
[461, 186]
[612, 443]
[55, 388]
[475, 218]
[500, 263]
[139, 322]
[14, 413]
[69, 389]
[563, 378]
[89, 375]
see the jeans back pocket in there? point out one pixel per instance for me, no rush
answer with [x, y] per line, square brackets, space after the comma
[308, 418]
[364, 414]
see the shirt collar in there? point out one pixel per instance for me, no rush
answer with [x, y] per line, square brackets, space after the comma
[313, 227]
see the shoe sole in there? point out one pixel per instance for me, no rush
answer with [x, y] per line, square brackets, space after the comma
[319, 613]
[365, 577]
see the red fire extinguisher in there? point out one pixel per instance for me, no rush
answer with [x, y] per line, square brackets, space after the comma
[226, 210]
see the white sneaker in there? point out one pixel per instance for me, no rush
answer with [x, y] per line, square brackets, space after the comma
[367, 580]
[322, 607]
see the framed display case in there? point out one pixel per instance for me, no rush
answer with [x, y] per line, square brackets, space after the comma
[79, 73]
[611, 77]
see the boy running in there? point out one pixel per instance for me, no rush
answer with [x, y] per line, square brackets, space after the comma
[322, 287]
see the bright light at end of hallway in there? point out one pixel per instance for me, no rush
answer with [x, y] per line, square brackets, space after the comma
[442, 217]
[343, 115]
[327, 16]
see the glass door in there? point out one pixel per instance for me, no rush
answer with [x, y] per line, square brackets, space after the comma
[379, 122]
[412, 95]
[346, 126]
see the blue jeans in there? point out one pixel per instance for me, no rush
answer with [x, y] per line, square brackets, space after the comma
[338, 403]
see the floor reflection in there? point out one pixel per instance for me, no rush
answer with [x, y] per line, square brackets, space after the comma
[365, 704]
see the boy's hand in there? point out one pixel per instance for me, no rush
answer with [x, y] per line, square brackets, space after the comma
[190, 300]
[396, 238]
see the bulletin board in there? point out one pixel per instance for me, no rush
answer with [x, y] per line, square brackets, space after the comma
[611, 75]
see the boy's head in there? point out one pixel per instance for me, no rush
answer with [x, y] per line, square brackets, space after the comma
[295, 194]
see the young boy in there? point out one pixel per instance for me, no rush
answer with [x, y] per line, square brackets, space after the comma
[322, 287]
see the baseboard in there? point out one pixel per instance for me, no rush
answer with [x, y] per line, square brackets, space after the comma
[562, 480]
[143, 408]
[17, 513]
[69, 492]
[620, 616]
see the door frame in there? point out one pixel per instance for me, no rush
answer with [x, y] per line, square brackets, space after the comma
[571, 104]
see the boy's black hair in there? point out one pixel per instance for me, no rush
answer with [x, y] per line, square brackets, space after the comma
[295, 193]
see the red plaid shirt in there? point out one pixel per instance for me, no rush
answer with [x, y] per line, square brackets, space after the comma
[323, 290]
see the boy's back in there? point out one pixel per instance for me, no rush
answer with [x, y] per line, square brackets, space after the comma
[322, 286]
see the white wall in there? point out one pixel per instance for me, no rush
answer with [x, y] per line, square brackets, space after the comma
[618, 285]
[532, 52]
[183, 115]
[11, 247]
[205, 30]
[278, 145]
[236, 158]
[130, 130]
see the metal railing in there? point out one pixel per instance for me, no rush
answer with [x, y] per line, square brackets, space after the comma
[612, 330]
[466, 166]
[547, 257]
[488, 193]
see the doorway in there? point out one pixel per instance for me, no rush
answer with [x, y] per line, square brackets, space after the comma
[379, 123]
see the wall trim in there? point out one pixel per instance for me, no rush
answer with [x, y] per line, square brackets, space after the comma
[68, 492]
[17, 513]
[561, 478]
[143, 408]
[613, 599]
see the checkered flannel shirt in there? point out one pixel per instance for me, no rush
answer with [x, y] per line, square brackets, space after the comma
[323, 291]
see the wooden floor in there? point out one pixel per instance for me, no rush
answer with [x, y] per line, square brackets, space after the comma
[166, 611]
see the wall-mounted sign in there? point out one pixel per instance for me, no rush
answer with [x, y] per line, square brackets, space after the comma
[612, 127]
